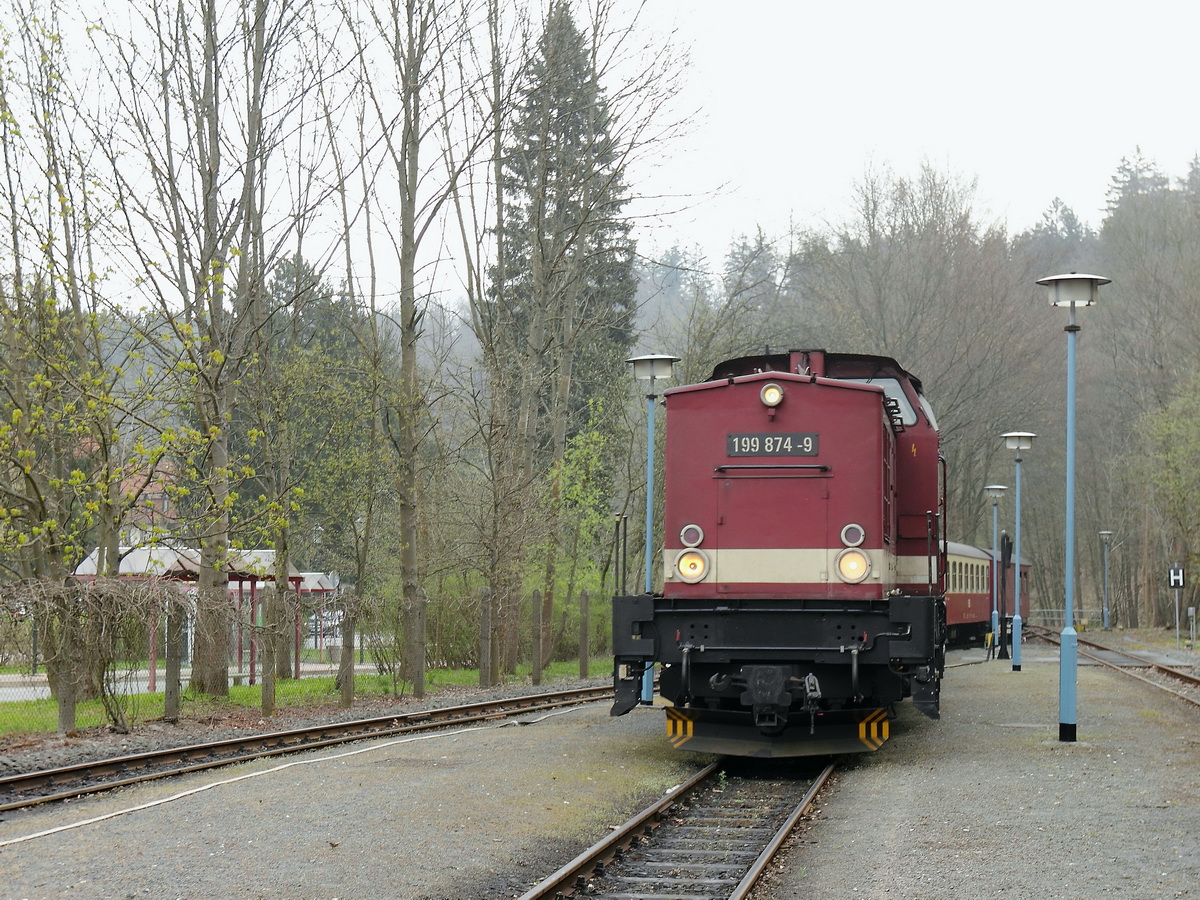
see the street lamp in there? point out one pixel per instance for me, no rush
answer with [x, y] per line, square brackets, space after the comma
[1106, 536]
[649, 368]
[1070, 291]
[995, 491]
[1018, 441]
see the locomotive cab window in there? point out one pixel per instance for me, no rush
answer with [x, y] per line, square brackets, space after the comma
[928, 410]
[893, 391]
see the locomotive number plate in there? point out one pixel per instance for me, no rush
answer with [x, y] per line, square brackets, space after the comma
[795, 444]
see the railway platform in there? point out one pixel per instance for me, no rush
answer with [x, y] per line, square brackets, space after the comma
[987, 802]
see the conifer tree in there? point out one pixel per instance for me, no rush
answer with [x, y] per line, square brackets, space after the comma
[564, 283]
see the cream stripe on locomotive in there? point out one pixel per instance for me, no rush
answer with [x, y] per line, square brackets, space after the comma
[796, 566]
[914, 569]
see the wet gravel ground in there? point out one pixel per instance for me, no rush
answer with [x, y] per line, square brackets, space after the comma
[481, 812]
[987, 802]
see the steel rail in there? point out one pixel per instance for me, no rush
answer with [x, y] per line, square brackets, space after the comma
[571, 877]
[746, 885]
[15, 789]
[1134, 661]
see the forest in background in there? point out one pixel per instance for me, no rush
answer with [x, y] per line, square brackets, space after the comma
[356, 282]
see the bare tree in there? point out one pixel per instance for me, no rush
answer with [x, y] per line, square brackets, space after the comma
[916, 276]
[1137, 355]
[502, 520]
[204, 104]
[78, 452]
[407, 52]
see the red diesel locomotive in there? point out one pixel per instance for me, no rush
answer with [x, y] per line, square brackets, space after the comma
[804, 577]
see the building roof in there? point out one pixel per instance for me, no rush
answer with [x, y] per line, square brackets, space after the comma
[183, 563]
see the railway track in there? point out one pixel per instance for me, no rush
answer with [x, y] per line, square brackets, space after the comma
[710, 839]
[68, 782]
[1175, 681]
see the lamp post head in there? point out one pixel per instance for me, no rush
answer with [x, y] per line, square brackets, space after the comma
[654, 365]
[995, 491]
[1073, 289]
[1018, 440]
[1105, 536]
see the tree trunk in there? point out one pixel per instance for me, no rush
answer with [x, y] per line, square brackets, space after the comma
[537, 637]
[67, 672]
[486, 632]
[173, 653]
[210, 657]
[345, 674]
[584, 642]
[269, 641]
[412, 78]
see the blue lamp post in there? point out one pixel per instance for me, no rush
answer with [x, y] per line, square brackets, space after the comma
[995, 491]
[1018, 441]
[1070, 291]
[650, 368]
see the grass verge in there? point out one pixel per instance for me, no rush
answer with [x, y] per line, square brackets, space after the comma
[40, 717]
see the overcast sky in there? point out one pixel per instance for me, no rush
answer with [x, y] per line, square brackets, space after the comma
[1034, 100]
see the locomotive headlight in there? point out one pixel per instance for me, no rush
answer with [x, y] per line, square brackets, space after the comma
[691, 535]
[853, 535]
[771, 394]
[692, 565]
[852, 565]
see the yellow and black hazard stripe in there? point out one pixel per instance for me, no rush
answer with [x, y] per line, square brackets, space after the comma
[873, 730]
[679, 727]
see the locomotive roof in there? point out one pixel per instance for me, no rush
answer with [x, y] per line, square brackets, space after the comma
[836, 365]
[776, 375]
